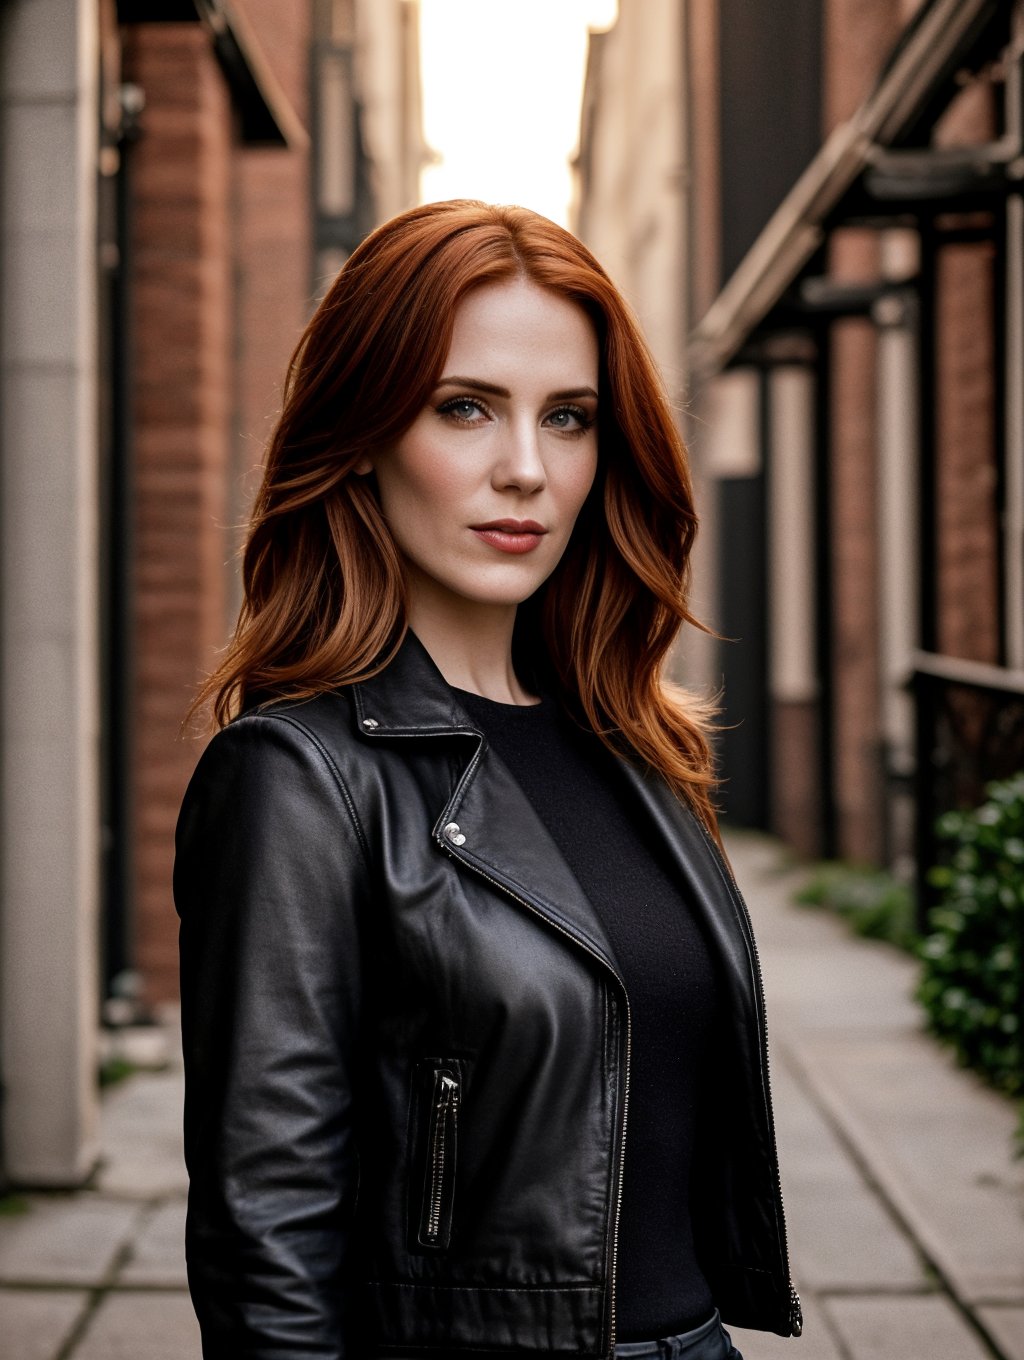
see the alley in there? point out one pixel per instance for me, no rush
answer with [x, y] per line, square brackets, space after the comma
[905, 1205]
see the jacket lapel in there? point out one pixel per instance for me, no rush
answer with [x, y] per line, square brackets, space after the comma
[498, 835]
[706, 881]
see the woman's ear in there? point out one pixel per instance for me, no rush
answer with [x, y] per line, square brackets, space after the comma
[364, 466]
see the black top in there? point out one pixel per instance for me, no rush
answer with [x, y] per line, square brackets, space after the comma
[572, 782]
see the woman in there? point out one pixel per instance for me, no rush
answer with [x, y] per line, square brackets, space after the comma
[473, 1027]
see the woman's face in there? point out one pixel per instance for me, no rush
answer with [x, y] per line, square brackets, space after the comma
[482, 491]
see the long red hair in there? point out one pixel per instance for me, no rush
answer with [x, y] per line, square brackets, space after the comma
[324, 601]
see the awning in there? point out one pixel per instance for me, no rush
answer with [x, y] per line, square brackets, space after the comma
[859, 161]
[266, 115]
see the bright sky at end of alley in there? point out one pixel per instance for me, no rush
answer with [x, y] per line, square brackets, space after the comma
[502, 81]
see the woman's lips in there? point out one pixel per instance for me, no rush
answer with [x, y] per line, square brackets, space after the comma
[511, 536]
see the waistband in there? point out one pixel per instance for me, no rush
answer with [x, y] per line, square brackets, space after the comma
[709, 1341]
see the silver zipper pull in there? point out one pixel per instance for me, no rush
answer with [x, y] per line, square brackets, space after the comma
[796, 1312]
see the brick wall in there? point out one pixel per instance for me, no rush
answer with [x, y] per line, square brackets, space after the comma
[220, 293]
[858, 35]
[796, 802]
[181, 368]
[272, 261]
[967, 583]
[967, 529]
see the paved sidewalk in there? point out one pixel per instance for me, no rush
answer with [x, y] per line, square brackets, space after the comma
[906, 1208]
[905, 1203]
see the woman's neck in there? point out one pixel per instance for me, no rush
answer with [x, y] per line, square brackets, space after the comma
[471, 645]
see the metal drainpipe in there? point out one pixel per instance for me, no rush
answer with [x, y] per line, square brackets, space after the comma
[1013, 527]
[1013, 442]
[120, 980]
[823, 600]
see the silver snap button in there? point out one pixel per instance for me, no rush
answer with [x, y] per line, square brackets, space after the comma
[371, 723]
[454, 834]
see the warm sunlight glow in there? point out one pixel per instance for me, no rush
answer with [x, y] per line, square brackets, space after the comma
[502, 83]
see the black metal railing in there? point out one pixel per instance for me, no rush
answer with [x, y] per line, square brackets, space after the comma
[970, 731]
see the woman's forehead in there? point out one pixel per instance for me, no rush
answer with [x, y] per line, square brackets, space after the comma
[518, 327]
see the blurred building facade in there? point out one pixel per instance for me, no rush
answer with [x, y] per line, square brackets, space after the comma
[180, 179]
[848, 208]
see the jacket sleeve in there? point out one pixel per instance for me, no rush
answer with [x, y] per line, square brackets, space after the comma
[270, 869]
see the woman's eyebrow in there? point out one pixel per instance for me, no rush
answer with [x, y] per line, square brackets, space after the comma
[492, 389]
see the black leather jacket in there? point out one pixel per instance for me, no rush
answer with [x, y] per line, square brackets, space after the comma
[407, 1048]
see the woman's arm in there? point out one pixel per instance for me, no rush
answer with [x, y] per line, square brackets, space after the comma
[269, 873]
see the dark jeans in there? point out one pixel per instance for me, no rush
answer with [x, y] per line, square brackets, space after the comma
[709, 1341]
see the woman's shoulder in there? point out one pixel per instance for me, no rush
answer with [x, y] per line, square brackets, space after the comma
[324, 722]
[273, 776]
[282, 746]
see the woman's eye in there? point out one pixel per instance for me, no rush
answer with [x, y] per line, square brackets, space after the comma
[571, 419]
[465, 409]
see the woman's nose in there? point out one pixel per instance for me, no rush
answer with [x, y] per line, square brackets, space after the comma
[520, 465]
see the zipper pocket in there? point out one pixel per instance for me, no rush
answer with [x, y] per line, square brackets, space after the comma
[440, 1155]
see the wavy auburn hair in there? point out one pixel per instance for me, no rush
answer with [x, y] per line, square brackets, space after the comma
[324, 598]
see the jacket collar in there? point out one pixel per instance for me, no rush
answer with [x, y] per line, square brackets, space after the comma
[497, 833]
[505, 840]
[409, 697]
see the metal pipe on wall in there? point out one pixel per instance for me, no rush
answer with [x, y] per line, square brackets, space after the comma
[1013, 524]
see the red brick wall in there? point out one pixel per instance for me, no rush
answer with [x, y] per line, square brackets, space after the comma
[858, 35]
[220, 293]
[966, 456]
[273, 298]
[273, 302]
[966, 471]
[796, 801]
[180, 325]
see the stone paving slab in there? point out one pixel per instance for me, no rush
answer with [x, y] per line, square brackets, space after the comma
[35, 1323]
[158, 1251]
[819, 977]
[141, 1136]
[904, 1328]
[929, 1143]
[1006, 1327]
[841, 1235]
[939, 1145]
[141, 1325]
[70, 1239]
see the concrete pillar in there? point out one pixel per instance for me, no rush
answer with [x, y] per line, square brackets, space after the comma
[49, 594]
[797, 796]
[898, 502]
[792, 661]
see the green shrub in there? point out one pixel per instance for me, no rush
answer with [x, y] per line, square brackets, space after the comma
[873, 902]
[970, 985]
[114, 1069]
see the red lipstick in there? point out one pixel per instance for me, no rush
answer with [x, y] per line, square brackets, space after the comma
[510, 535]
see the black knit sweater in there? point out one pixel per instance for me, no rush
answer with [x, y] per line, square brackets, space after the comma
[571, 781]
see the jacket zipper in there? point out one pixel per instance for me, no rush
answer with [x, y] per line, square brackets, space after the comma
[440, 1150]
[796, 1320]
[625, 1090]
